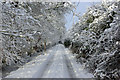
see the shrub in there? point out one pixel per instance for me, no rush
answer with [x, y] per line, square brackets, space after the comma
[67, 43]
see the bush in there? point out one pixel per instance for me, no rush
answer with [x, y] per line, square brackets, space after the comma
[67, 43]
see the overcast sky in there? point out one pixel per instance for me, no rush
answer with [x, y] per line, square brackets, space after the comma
[81, 8]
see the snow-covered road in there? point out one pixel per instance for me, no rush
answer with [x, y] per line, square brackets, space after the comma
[57, 62]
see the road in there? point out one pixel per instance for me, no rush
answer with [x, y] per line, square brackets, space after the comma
[58, 62]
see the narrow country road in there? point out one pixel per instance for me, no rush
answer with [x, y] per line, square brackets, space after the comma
[57, 62]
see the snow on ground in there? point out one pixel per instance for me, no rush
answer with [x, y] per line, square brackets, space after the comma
[57, 63]
[58, 69]
[77, 67]
[29, 69]
[0, 74]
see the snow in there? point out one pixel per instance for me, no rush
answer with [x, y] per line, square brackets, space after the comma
[58, 66]
[31, 67]
[32, 24]
[56, 63]
[0, 75]
[78, 68]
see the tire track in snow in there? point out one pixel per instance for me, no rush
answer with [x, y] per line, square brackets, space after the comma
[58, 69]
[48, 62]
[57, 63]
[68, 64]
[69, 67]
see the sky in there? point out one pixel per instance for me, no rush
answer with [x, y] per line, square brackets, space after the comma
[80, 8]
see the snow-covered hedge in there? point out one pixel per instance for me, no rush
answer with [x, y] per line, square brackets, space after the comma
[98, 34]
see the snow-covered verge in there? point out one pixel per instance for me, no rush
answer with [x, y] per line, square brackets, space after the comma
[96, 40]
[30, 27]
